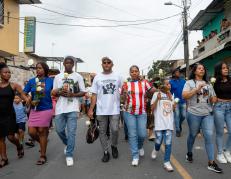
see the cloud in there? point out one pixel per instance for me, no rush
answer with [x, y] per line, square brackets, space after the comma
[138, 45]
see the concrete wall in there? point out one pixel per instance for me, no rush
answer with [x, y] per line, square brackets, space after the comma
[9, 33]
[20, 76]
[210, 62]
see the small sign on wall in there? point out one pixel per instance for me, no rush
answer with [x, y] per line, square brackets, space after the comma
[29, 34]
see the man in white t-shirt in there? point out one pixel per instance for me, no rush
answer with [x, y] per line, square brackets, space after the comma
[106, 97]
[68, 87]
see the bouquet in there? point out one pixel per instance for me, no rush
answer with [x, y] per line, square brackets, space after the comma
[39, 92]
[213, 80]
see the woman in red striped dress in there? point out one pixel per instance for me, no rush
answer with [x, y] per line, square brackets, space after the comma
[135, 114]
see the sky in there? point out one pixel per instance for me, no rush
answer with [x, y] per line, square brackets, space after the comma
[126, 45]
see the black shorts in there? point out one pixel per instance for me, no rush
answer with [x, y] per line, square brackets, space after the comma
[22, 126]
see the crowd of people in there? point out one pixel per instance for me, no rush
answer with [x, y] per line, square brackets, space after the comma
[225, 24]
[161, 107]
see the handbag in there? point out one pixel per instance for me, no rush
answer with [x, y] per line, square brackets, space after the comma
[92, 133]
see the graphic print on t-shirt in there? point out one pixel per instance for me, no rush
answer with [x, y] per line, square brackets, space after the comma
[203, 95]
[109, 86]
[167, 108]
[70, 85]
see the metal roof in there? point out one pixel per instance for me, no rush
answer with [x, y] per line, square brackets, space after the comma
[205, 16]
[54, 59]
[29, 2]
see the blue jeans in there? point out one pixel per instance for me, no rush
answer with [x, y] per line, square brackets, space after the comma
[206, 123]
[222, 115]
[166, 136]
[69, 121]
[179, 116]
[136, 125]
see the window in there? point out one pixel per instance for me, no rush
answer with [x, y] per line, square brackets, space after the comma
[1, 12]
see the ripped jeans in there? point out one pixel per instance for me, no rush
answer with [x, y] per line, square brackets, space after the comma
[166, 136]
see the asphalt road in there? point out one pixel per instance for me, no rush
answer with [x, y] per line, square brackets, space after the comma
[88, 163]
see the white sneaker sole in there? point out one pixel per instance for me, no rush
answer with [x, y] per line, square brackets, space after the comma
[211, 169]
[169, 170]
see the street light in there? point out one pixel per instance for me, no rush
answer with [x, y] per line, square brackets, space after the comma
[172, 4]
[185, 31]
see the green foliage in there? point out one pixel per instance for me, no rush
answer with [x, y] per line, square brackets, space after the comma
[154, 70]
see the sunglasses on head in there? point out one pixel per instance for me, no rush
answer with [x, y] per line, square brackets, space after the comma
[107, 62]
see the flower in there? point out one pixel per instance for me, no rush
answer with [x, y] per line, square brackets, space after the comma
[39, 88]
[39, 83]
[66, 75]
[161, 72]
[213, 80]
[176, 100]
[88, 123]
[36, 80]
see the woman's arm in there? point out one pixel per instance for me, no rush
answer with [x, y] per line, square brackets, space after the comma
[18, 88]
[189, 94]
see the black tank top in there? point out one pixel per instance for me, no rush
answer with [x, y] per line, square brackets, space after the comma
[6, 100]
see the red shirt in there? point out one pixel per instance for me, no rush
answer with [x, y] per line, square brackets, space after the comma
[135, 97]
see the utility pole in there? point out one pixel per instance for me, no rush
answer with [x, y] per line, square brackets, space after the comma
[185, 36]
[185, 8]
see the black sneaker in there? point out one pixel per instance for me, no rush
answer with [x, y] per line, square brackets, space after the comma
[189, 157]
[178, 134]
[106, 156]
[214, 167]
[114, 152]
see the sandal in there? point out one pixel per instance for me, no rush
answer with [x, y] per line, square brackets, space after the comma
[42, 160]
[20, 151]
[4, 162]
[30, 143]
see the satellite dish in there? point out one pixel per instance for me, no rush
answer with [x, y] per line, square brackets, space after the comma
[30, 62]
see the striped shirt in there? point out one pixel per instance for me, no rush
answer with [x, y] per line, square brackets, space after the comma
[135, 96]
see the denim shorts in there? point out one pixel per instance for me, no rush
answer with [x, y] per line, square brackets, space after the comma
[22, 126]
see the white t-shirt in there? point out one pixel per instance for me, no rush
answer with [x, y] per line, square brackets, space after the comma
[163, 112]
[106, 87]
[65, 104]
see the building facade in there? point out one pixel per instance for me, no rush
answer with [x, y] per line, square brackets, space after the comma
[9, 26]
[215, 45]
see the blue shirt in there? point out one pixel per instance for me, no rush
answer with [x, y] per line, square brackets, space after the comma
[46, 101]
[177, 86]
[20, 112]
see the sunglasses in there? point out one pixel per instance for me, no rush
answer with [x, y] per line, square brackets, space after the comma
[107, 62]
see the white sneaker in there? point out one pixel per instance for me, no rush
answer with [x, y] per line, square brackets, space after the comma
[135, 162]
[221, 158]
[227, 156]
[168, 167]
[141, 152]
[65, 150]
[154, 154]
[70, 161]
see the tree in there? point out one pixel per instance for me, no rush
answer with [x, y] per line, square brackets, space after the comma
[166, 66]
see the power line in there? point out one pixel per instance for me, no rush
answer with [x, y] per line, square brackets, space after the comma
[103, 26]
[174, 45]
[113, 7]
[89, 18]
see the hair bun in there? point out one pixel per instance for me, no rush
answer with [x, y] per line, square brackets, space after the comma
[2, 65]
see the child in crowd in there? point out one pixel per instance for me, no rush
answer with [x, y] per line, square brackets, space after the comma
[21, 118]
[162, 105]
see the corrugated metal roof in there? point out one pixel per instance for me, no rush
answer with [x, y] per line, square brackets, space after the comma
[29, 2]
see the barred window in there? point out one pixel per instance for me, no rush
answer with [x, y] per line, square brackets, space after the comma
[1, 11]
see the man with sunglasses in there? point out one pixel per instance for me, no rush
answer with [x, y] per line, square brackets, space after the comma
[106, 96]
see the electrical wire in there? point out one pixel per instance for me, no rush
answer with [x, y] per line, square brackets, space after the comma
[90, 18]
[103, 26]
